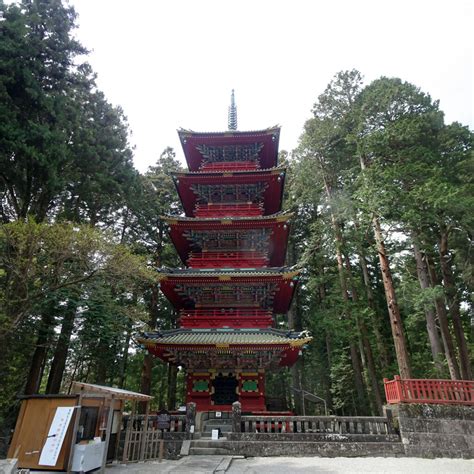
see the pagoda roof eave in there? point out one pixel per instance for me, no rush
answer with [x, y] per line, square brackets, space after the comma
[279, 169]
[277, 283]
[270, 180]
[183, 132]
[218, 348]
[226, 337]
[285, 273]
[229, 220]
[267, 154]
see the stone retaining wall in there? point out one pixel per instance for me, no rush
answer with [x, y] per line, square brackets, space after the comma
[432, 431]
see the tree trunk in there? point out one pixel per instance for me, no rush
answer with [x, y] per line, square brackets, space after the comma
[145, 379]
[297, 374]
[33, 381]
[60, 353]
[298, 383]
[453, 305]
[435, 341]
[366, 349]
[163, 386]
[172, 376]
[381, 346]
[123, 369]
[392, 305]
[358, 378]
[101, 366]
[448, 344]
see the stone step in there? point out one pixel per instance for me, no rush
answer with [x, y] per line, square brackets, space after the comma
[209, 444]
[208, 451]
[301, 448]
[209, 438]
[218, 421]
[224, 429]
[316, 437]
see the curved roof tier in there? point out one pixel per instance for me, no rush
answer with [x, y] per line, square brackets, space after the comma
[270, 288]
[222, 187]
[225, 241]
[224, 348]
[258, 148]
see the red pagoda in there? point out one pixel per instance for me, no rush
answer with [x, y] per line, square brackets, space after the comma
[232, 242]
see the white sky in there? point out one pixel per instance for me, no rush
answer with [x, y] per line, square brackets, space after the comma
[173, 63]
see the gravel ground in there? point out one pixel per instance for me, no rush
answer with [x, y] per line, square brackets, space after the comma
[351, 465]
[286, 465]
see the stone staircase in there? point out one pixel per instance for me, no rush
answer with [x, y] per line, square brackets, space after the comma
[203, 443]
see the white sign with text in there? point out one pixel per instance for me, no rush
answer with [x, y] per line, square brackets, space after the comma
[56, 435]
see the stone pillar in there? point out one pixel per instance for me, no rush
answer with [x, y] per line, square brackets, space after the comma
[236, 417]
[190, 419]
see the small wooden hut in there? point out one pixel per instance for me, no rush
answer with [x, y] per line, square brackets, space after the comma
[75, 432]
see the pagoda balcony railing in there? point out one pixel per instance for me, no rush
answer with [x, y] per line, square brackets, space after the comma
[228, 260]
[436, 391]
[238, 318]
[230, 166]
[229, 313]
[229, 210]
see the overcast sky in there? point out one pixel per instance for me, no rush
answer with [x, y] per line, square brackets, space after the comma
[173, 63]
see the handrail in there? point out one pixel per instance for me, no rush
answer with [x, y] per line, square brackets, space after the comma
[230, 166]
[229, 254]
[436, 391]
[378, 425]
[235, 210]
[308, 395]
[209, 313]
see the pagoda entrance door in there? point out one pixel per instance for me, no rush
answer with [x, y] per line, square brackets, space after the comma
[224, 390]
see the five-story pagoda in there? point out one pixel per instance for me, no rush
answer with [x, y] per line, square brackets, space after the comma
[232, 241]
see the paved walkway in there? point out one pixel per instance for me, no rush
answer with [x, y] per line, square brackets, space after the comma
[286, 465]
[187, 465]
[317, 465]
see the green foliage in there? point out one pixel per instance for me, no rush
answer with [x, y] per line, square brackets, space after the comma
[72, 295]
[61, 142]
[381, 150]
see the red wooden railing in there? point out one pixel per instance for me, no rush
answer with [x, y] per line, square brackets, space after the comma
[238, 318]
[230, 166]
[228, 210]
[436, 391]
[239, 313]
[227, 259]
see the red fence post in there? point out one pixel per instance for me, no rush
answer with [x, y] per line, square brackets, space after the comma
[398, 388]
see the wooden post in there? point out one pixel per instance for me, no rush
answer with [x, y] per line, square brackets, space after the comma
[108, 429]
[162, 445]
[398, 387]
[119, 432]
[144, 432]
[77, 410]
[128, 433]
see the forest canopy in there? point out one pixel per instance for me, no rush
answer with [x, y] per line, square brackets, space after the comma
[382, 195]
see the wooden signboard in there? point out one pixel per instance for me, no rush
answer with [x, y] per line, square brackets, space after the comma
[32, 431]
[163, 420]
